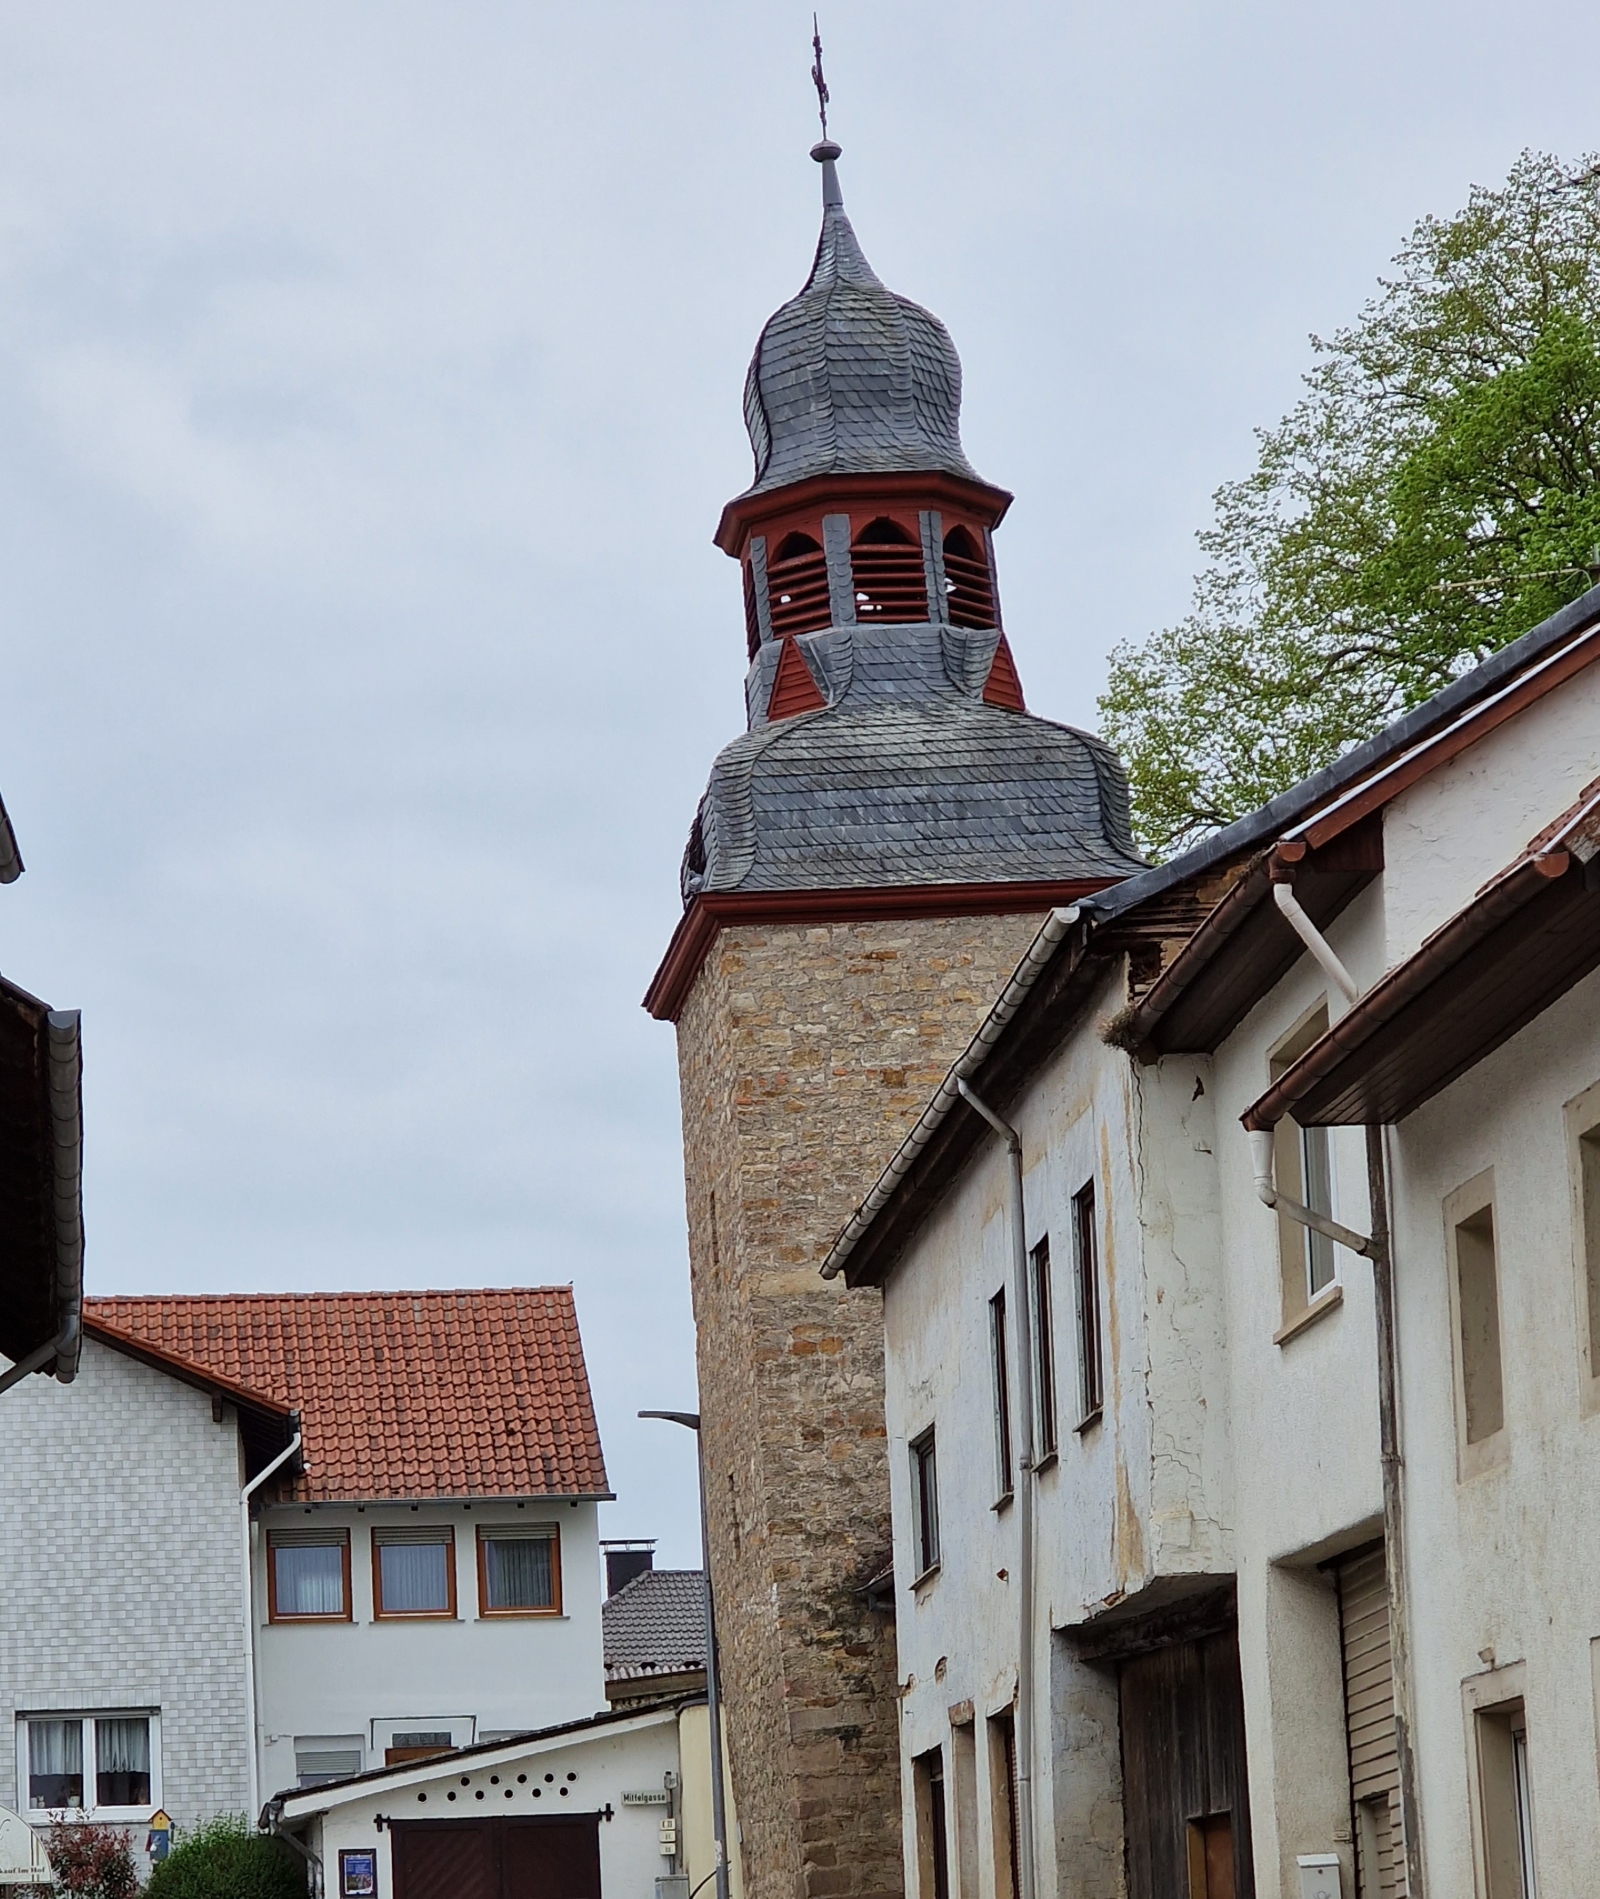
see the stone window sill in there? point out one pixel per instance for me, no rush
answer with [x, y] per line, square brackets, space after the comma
[1328, 1300]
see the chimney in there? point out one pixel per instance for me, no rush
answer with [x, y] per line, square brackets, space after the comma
[624, 1561]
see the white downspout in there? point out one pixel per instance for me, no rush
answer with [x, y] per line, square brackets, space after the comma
[1319, 946]
[1022, 1306]
[246, 1578]
[1261, 1140]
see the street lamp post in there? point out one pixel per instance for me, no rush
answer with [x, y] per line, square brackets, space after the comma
[690, 1420]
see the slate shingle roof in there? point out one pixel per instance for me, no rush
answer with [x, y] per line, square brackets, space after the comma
[905, 777]
[848, 377]
[655, 1625]
[401, 1394]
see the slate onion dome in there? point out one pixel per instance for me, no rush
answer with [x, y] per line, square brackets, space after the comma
[889, 743]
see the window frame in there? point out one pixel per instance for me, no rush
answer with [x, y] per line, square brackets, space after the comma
[1469, 1202]
[334, 1536]
[1005, 1463]
[926, 1547]
[88, 1720]
[1047, 1423]
[1303, 1253]
[519, 1533]
[1504, 1822]
[412, 1537]
[1582, 1115]
[1087, 1299]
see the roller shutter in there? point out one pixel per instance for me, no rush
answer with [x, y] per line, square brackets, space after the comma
[1369, 1723]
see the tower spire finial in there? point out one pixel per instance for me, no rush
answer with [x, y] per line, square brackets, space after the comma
[825, 151]
[817, 79]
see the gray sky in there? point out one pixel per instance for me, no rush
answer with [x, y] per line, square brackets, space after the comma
[369, 388]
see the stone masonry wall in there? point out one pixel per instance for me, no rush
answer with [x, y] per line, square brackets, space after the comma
[805, 1052]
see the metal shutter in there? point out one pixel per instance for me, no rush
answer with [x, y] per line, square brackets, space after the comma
[1369, 1723]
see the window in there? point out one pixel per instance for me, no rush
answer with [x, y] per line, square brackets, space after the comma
[1044, 1350]
[1086, 1280]
[1505, 1802]
[319, 1758]
[933, 1839]
[925, 1503]
[964, 1769]
[308, 1575]
[887, 568]
[1475, 1298]
[1004, 1476]
[969, 584]
[1583, 1127]
[519, 1570]
[99, 1763]
[1302, 1164]
[414, 1572]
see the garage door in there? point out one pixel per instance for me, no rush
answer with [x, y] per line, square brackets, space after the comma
[497, 1859]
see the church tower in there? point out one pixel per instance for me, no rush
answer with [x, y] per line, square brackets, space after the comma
[869, 861]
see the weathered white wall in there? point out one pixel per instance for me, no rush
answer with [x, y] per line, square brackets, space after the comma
[119, 1571]
[499, 1674]
[1506, 1564]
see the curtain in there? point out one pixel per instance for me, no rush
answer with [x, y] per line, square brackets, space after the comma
[122, 1761]
[518, 1571]
[415, 1578]
[309, 1579]
[55, 1763]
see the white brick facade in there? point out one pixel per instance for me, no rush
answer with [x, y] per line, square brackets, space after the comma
[120, 1571]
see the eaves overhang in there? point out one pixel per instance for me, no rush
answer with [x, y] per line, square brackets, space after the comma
[266, 1425]
[11, 865]
[1522, 943]
[746, 513]
[714, 911]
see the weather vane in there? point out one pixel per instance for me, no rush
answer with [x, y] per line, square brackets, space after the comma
[817, 79]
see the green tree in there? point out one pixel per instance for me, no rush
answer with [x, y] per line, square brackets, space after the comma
[1434, 493]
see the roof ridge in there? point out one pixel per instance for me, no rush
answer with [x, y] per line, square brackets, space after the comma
[218, 1298]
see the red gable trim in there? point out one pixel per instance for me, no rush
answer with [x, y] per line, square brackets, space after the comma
[712, 912]
[184, 1369]
[1440, 747]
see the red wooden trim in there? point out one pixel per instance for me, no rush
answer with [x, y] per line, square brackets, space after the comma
[1003, 687]
[1431, 753]
[793, 688]
[710, 914]
[915, 489]
[183, 1369]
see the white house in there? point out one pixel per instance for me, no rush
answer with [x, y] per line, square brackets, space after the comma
[409, 1481]
[1272, 1582]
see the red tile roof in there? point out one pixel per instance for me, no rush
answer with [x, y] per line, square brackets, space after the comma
[401, 1394]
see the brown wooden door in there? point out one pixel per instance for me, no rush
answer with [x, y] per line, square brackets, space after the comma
[543, 1859]
[445, 1859]
[1185, 1804]
[497, 1858]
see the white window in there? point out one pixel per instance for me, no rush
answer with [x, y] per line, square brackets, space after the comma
[925, 1502]
[105, 1765]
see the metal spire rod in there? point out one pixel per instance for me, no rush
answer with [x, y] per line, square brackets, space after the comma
[817, 79]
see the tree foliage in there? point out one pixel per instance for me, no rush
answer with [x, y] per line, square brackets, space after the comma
[227, 1859]
[1434, 493]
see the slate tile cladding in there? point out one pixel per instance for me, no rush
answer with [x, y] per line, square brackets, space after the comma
[658, 1621]
[850, 378]
[119, 1571]
[805, 1053]
[401, 1394]
[906, 777]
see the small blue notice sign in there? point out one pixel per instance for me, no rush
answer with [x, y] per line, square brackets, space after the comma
[358, 1872]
